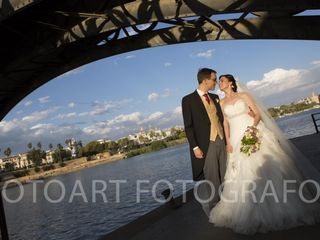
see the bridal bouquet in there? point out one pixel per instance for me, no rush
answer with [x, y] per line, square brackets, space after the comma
[251, 141]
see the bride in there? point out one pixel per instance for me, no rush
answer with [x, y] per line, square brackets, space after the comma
[275, 187]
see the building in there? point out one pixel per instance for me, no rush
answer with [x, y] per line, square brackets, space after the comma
[18, 161]
[49, 157]
[103, 140]
[1, 164]
[314, 98]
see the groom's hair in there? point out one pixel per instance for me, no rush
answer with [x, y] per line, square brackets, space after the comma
[204, 73]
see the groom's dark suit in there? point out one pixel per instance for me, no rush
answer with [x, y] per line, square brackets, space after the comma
[197, 127]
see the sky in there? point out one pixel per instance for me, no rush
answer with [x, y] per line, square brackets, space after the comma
[117, 96]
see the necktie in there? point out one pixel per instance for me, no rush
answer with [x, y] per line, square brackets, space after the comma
[206, 97]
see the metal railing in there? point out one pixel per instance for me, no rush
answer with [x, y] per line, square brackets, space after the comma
[315, 120]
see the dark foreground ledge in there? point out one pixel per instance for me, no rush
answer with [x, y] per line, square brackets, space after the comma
[190, 222]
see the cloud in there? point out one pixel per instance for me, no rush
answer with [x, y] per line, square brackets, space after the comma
[152, 117]
[17, 133]
[204, 54]
[75, 71]
[167, 64]
[282, 86]
[153, 97]
[130, 56]
[101, 108]
[27, 103]
[37, 116]
[66, 115]
[71, 105]
[316, 62]
[166, 93]
[44, 99]
[125, 118]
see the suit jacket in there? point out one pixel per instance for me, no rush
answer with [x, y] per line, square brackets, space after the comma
[197, 127]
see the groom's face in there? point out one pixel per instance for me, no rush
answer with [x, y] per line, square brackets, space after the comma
[211, 82]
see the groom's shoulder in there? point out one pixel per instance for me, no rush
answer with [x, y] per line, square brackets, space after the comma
[188, 96]
[213, 95]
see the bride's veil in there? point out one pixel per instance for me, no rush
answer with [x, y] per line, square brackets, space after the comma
[306, 168]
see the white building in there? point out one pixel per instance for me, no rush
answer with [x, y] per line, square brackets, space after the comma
[49, 157]
[1, 164]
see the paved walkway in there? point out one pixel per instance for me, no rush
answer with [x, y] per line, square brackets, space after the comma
[190, 222]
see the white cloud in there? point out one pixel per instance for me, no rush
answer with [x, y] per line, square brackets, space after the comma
[204, 54]
[132, 117]
[130, 56]
[44, 99]
[282, 86]
[28, 103]
[152, 117]
[66, 115]
[101, 108]
[37, 116]
[167, 64]
[75, 71]
[153, 97]
[316, 62]
[166, 93]
[71, 105]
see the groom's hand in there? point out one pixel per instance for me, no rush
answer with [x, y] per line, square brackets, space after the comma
[229, 148]
[251, 113]
[198, 153]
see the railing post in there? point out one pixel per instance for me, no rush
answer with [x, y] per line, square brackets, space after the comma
[3, 223]
[315, 121]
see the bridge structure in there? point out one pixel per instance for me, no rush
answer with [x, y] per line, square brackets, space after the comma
[42, 39]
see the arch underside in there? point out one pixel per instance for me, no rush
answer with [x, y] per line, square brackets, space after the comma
[41, 40]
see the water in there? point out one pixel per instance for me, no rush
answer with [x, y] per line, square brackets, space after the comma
[298, 125]
[83, 219]
[89, 220]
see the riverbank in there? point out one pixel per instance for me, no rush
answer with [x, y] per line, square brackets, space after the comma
[71, 166]
[297, 112]
[81, 163]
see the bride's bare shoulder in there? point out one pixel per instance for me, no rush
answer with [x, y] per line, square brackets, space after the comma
[243, 95]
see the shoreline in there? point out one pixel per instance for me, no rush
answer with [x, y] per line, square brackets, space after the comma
[79, 164]
[73, 166]
[294, 113]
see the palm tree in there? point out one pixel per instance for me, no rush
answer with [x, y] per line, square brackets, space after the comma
[39, 145]
[59, 148]
[30, 145]
[7, 152]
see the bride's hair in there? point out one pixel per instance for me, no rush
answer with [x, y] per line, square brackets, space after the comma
[232, 80]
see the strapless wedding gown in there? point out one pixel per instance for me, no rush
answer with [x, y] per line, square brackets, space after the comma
[266, 209]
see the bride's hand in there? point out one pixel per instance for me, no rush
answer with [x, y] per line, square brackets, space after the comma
[229, 148]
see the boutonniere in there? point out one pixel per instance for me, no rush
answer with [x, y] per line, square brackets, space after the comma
[217, 100]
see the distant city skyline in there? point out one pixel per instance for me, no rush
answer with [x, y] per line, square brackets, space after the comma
[116, 96]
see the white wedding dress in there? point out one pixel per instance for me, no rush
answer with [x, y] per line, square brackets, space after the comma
[265, 208]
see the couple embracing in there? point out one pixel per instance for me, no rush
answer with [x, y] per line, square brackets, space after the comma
[249, 188]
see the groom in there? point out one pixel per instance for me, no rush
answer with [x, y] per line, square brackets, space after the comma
[203, 122]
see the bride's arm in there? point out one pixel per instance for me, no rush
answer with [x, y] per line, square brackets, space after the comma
[226, 130]
[253, 107]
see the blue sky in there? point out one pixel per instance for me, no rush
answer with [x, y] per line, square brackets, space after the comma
[114, 97]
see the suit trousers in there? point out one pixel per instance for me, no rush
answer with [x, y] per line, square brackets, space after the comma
[214, 170]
